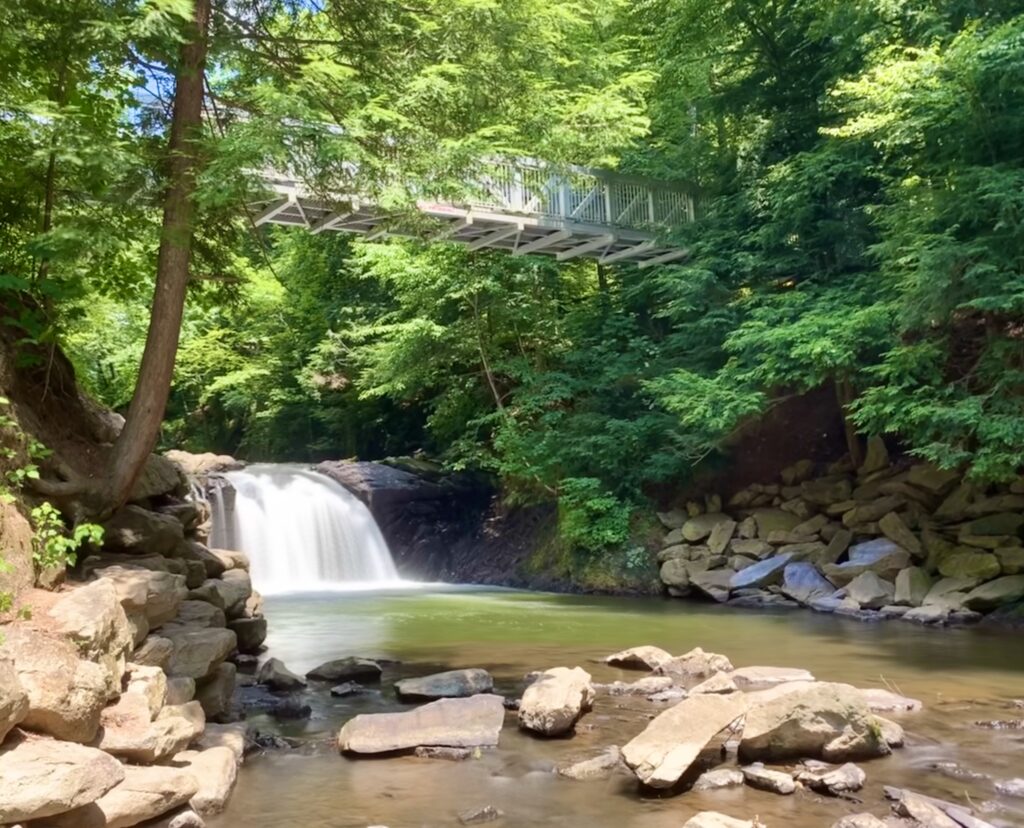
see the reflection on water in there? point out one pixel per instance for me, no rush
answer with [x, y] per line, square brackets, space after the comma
[961, 675]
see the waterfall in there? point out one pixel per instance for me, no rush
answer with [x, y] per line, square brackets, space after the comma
[301, 530]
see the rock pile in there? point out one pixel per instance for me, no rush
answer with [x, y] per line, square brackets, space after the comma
[106, 691]
[886, 540]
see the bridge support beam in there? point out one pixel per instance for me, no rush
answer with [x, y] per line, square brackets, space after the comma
[542, 242]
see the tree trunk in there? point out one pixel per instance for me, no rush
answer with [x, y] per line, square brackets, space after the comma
[844, 393]
[146, 413]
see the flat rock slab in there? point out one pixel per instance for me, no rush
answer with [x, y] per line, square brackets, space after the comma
[667, 747]
[43, 778]
[601, 765]
[452, 684]
[714, 819]
[472, 722]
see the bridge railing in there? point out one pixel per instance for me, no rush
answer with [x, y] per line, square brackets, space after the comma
[580, 195]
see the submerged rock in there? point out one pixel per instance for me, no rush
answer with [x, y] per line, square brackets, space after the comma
[476, 816]
[668, 746]
[448, 685]
[471, 722]
[346, 669]
[553, 703]
[601, 765]
[714, 780]
[713, 819]
[845, 779]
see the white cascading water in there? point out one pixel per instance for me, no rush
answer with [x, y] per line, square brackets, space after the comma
[302, 531]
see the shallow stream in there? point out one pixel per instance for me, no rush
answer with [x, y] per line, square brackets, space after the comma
[962, 676]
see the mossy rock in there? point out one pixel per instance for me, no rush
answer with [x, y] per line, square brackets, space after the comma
[980, 565]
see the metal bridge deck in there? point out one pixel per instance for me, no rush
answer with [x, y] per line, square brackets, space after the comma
[519, 207]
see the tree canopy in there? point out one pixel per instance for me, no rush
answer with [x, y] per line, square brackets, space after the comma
[861, 168]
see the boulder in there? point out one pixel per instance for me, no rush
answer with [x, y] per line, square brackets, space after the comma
[640, 687]
[696, 665]
[150, 683]
[881, 556]
[128, 733]
[180, 690]
[276, 676]
[13, 698]
[898, 532]
[251, 633]
[556, 700]
[195, 552]
[774, 520]
[714, 780]
[675, 573]
[215, 692]
[965, 564]
[159, 476]
[156, 594]
[198, 614]
[764, 573]
[197, 652]
[475, 721]
[346, 669]
[802, 582]
[876, 457]
[819, 720]
[187, 512]
[155, 651]
[892, 733]
[995, 593]
[718, 683]
[714, 819]
[713, 584]
[912, 586]
[720, 536]
[92, 618]
[671, 742]
[673, 519]
[234, 737]
[42, 778]
[452, 684]
[601, 765]
[923, 812]
[837, 546]
[144, 794]
[873, 511]
[845, 779]
[1011, 559]
[200, 465]
[765, 779]
[870, 591]
[751, 548]
[135, 530]
[216, 770]
[826, 490]
[236, 589]
[639, 658]
[751, 679]
[65, 693]
[700, 527]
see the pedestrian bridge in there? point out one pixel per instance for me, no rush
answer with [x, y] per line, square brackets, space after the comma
[520, 207]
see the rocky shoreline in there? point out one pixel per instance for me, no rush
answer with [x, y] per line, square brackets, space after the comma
[116, 692]
[774, 729]
[887, 540]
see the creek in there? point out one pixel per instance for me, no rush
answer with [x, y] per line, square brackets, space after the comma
[962, 676]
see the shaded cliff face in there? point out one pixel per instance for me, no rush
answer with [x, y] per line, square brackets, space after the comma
[451, 527]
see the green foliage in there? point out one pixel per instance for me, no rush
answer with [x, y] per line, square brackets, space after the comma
[590, 517]
[52, 544]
